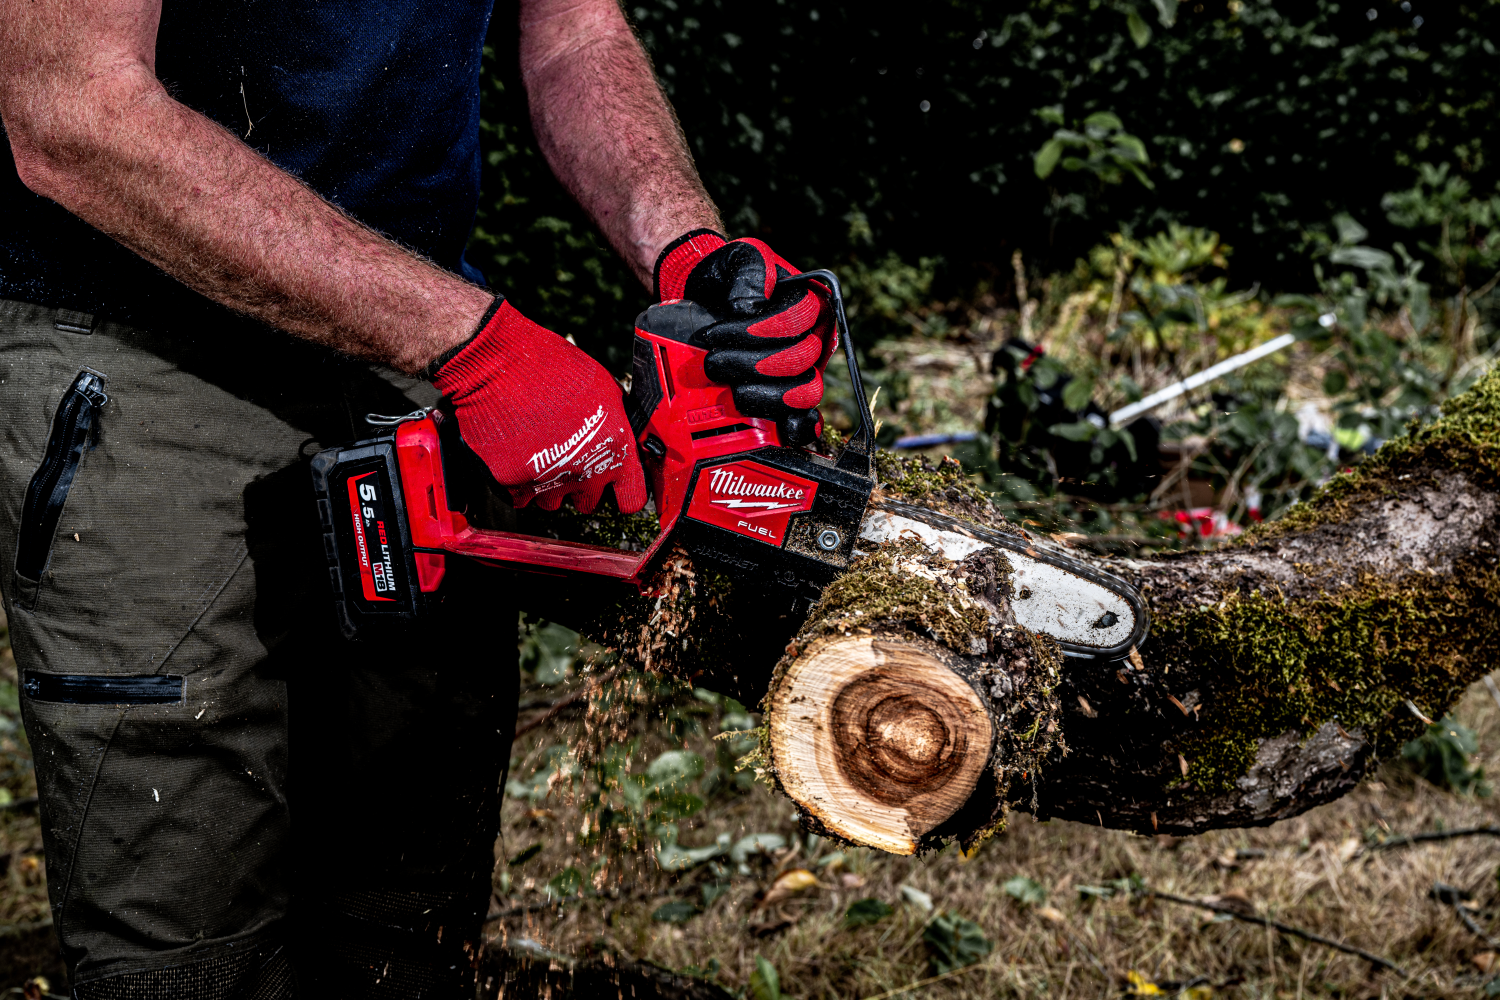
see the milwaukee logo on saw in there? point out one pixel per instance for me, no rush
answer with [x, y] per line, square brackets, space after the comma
[750, 499]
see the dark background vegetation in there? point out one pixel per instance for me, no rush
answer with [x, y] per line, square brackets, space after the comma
[1262, 119]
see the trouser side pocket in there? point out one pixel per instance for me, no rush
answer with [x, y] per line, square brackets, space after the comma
[75, 430]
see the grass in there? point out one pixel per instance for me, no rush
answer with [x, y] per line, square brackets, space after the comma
[1314, 871]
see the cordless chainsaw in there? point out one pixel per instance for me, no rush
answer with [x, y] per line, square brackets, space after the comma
[727, 488]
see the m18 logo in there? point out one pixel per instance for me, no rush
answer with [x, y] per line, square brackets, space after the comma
[750, 499]
[372, 543]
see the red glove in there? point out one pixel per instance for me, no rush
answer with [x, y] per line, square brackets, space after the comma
[546, 418]
[771, 345]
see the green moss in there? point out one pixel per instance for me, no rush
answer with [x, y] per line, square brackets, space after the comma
[915, 478]
[1352, 657]
[880, 592]
[1466, 438]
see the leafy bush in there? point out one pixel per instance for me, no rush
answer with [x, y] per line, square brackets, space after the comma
[1441, 755]
[1260, 119]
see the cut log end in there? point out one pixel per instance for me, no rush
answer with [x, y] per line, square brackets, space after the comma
[877, 740]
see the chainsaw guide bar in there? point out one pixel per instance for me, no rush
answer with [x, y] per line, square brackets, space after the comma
[1089, 612]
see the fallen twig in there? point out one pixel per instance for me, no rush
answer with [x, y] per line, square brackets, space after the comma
[563, 702]
[1454, 897]
[1277, 925]
[1406, 840]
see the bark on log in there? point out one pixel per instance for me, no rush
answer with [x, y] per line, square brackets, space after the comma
[1278, 670]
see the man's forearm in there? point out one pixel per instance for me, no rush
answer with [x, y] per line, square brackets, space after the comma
[197, 202]
[607, 130]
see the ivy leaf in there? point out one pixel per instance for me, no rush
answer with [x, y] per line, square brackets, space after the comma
[1029, 892]
[1047, 157]
[863, 912]
[764, 984]
[673, 768]
[954, 942]
[525, 855]
[1081, 430]
[674, 913]
[1077, 393]
[565, 883]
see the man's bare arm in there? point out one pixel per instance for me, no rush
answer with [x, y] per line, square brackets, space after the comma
[607, 130]
[92, 129]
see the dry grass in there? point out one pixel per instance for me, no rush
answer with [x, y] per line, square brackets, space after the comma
[1316, 873]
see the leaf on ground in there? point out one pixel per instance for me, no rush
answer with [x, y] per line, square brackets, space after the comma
[917, 898]
[1052, 915]
[673, 857]
[788, 884]
[764, 984]
[565, 883]
[1140, 986]
[675, 913]
[863, 912]
[755, 843]
[673, 768]
[1028, 891]
[525, 855]
[954, 942]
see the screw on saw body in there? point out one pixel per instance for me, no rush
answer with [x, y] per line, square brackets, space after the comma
[828, 539]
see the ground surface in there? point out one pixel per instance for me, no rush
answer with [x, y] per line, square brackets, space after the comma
[1315, 871]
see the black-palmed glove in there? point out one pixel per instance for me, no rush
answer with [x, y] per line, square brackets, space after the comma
[769, 344]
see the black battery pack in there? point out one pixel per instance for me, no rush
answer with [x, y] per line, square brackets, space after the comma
[372, 564]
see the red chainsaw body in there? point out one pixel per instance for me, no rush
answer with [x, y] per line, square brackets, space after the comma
[726, 487]
[695, 419]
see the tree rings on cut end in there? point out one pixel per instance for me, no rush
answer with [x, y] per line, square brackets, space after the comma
[878, 739]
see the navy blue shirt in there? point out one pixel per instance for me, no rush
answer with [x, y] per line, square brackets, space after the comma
[373, 103]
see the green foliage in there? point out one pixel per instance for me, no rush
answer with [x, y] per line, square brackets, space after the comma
[1441, 755]
[556, 764]
[525, 854]
[764, 984]
[565, 883]
[1262, 119]
[548, 651]
[867, 911]
[1025, 890]
[677, 912]
[1463, 232]
[954, 942]
[1100, 146]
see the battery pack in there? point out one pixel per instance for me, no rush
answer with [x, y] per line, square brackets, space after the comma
[373, 566]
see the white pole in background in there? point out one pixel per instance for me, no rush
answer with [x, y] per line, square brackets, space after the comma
[1224, 367]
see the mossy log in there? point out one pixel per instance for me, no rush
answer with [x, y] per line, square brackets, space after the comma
[910, 706]
[1278, 669]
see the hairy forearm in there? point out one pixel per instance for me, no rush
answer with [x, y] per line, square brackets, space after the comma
[116, 150]
[607, 129]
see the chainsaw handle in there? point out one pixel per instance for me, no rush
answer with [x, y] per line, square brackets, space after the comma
[863, 442]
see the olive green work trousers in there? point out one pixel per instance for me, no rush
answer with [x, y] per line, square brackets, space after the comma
[236, 801]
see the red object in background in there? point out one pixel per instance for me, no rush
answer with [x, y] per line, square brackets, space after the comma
[1210, 523]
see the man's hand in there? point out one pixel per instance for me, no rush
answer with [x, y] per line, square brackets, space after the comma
[770, 344]
[545, 417]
